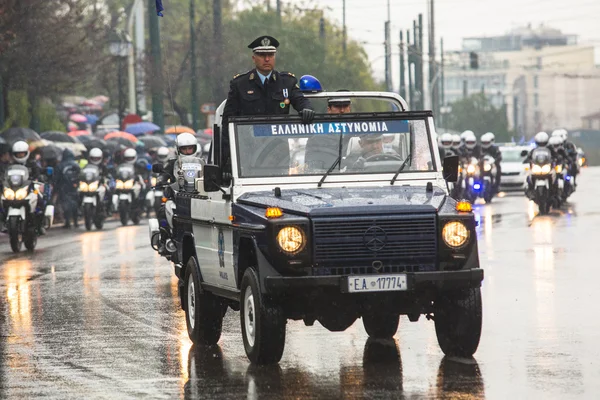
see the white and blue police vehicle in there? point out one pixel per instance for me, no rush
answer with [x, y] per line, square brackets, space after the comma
[343, 219]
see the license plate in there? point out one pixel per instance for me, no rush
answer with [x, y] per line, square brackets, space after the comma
[377, 283]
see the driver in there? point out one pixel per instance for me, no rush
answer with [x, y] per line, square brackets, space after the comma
[371, 145]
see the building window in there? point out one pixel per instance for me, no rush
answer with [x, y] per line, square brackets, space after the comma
[535, 100]
[535, 82]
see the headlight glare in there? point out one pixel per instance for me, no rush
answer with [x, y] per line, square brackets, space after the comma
[487, 167]
[471, 169]
[9, 194]
[129, 184]
[153, 180]
[119, 184]
[93, 186]
[546, 169]
[21, 193]
[291, 239]
[83, 187]
[455, 234]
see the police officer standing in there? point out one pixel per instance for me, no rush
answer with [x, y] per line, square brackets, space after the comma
[263, 90]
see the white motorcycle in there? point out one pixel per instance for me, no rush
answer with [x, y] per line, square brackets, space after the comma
[20, 200]
[127, 193]
[92, 193]
[154, 197]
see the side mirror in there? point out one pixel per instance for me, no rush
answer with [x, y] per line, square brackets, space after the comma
[524, 153]
[451, 168]
[212, 178]
[49, 171]
[158, 168]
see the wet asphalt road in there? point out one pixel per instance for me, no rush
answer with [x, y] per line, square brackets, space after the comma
[96, 315]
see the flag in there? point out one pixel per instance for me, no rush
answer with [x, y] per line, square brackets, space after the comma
[159, 8]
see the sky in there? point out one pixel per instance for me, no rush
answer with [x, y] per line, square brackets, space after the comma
[456, 19]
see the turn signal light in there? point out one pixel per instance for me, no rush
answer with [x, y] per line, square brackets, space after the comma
[464, 206]
[164, 199]
[273, 212]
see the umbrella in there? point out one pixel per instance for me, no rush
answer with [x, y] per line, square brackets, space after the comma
[180, 129]
[4, 147]
[152, 141]
[92, 119]
[90, 142]
[76, 148]
[51, 152]
[13, 135]
[120, 134]
[207, 131]
[57, 136]
[121, 140]
[141, 128]
[100, 99]
[79, 133]
[80, 118]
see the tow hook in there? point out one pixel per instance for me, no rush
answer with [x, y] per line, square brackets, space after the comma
[430, 317]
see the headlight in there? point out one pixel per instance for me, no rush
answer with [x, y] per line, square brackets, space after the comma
[546, 169]
[471, 169]
[22, 193]
[93, 186]
[9, 194]
[119, 184]
[83, 187]
[558, 168]
[455, 234]
[291, 239]
[129, 184]
[153, 180]
[487, 167]
[536, 169]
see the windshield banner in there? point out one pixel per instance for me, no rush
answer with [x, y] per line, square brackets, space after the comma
[331, 128]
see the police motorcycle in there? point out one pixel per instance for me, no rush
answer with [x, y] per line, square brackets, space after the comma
[128, 187]
[489, 176]
[471, 182]
[92, 192]
[155, 195]
[22, 203]
[542, 182]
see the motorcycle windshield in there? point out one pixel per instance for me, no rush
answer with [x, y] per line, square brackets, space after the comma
[90, 173]
[125, 172]
[541, 156]
[189, 168]
[17, 176]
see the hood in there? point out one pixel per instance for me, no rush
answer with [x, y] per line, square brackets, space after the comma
[349, 201]
[513, 167]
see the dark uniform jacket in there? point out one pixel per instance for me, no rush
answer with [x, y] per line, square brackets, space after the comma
[248, 96]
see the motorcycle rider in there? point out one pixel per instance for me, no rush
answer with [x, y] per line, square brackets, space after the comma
[571, 152]
[20, 153]
[162, 154]
[471, 149]
[445, 147]
[456, 144]
[489, 148]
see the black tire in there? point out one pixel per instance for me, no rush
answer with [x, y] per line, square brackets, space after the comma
[16, 238]
[88, 216]
[381, 326]
[203, 311]
[30, 238]
[544, 207]
[136, 217]
[124, 213]
[99, 222]
[263, 323]
[458, 317]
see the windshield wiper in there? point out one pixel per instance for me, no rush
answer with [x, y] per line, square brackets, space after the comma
[401, 168]
[337, 160]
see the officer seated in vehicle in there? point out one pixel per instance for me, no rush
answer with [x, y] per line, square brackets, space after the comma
[370, 153]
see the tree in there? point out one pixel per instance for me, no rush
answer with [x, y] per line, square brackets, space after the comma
[476, 113]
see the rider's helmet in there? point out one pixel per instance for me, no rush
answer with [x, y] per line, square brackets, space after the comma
[541, 139]
[187, 144]
[446, 140]
[129, 156]
[463, 136]
[456, 141]
[492, 137]
[486, 140]
[470, 140]
[555, 142]
[95, 156]
[162, 154]
[562, 133]
[20, 152]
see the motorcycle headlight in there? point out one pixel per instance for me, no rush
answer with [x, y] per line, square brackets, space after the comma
[119, 184]
[83, 187]
[21, 193]
[536, 169]
[129, 184]
[93, 186]
[455, 234]
[558, 168]
[291, 239]
[471, 169]
[9, 194]
[487, 167]
[153, 180]
[546, 169]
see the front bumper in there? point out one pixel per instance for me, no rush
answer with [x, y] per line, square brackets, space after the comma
[415, 281]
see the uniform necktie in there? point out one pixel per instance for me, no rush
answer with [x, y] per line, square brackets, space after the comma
[266, 83]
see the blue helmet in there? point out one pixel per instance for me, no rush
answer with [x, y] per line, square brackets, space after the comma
[309, 83]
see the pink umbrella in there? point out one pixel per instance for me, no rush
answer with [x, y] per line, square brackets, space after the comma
[90, 103]
[79, 133]
[78, 118]
[100, 99]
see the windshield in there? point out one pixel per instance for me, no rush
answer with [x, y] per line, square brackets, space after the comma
[366, 145]
[512, 155]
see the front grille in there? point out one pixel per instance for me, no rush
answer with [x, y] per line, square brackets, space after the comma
[367, 270]
[391, 240]
[510, 173]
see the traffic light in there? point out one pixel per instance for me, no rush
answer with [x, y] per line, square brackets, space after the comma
[473, 60]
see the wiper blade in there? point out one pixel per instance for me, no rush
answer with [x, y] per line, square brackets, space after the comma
[406, 160]
[337, 160]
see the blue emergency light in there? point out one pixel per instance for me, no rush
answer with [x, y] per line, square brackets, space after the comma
[310, 84]
[476, 186]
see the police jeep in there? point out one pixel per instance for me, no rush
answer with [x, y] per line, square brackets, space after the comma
[301, 222]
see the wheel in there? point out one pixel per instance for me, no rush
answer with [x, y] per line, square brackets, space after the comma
[203, 311]
[99, 222]
[136, 217]
[88, 215]
[30, 238]
[263, 323]
[16, 238]
[458, 316]
[544, 207]
[381, 326]
[123, 213]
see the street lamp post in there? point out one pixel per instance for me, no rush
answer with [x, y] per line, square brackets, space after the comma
[119, 48]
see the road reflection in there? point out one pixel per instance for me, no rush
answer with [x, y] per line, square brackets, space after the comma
[459, 379]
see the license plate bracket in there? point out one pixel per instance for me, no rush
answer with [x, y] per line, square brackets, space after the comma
[376, 283]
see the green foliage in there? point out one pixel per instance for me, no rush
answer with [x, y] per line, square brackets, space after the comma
[18, 109]
[479, 115]
[49, 120]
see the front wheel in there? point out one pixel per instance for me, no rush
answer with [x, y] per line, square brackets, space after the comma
[88, 215]
[381, 325]
[16, 238]
[30, 238]
[124, 213]
[263, 323]
[203, 311]
[458, 316]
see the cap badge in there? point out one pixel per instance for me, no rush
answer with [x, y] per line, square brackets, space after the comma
[266, 42]
[250, 91]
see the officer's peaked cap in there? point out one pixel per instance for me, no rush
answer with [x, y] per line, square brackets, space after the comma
[264, 44]
[340, 101]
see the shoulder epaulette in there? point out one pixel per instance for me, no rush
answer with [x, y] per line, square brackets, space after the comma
[238, 75]
[288, 73]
